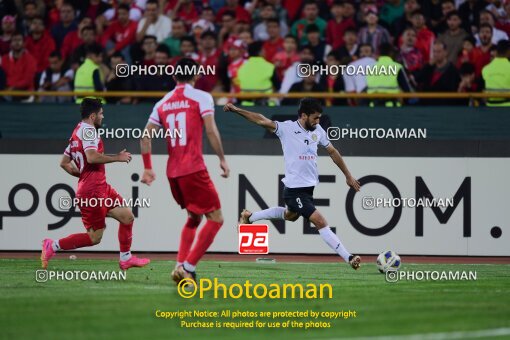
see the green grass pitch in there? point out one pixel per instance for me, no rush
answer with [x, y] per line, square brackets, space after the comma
[126, 309]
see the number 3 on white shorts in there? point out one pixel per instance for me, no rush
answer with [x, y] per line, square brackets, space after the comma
[298, 200]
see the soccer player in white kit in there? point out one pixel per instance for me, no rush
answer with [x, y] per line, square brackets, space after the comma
[300, 140]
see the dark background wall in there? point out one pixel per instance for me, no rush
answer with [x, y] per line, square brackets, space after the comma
[451, 131]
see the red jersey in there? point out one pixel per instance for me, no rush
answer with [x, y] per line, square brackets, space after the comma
[233, 68]
[270, 49]
[20, 73]
[181, 111]
[92, 182]
[121, 35]
[335, 31]
[41, 49]
[208, 82]
[70, 43]
[424, 40]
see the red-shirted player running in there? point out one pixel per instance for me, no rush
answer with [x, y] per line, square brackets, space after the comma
[84, 158]
[186, 110]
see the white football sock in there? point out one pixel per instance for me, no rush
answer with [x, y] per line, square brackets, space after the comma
[55, 246]
[189, 267]
[178, 264]
[334, 242]
[274, 213]
[124, 256]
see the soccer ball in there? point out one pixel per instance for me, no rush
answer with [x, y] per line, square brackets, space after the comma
[388, 260]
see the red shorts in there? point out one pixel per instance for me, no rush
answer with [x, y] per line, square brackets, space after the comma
[95, 208]
[195, 192]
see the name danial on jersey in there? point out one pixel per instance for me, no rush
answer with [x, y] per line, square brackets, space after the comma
[180, 104]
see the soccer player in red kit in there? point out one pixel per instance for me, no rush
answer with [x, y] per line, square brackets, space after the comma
[187, 110]
[84, 158]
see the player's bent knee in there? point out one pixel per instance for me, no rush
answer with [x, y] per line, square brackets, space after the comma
[291, 216]
[215, 216]
[95, 238]
[130, 218]
[127, 219]
[195, 218]
[318, 220]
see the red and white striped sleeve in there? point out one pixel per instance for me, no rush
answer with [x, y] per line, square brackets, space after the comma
[67, 151]
[154, 117]
[206, 104]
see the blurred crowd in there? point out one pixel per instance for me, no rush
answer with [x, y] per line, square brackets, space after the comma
[439, 45]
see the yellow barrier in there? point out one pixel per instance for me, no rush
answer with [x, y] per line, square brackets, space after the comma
[149, 94]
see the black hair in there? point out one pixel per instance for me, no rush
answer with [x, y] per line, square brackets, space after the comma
[310, 2]
[29, 2]
[273, 20]
[124, 7]
[442, 43]
[55, 54]
[386, 49]
[351, 30]
[153, 37]
[38, 17]
[254, 48]
[209, 33]
[229, 13]
[306, 47]
[163, 49]
[453, 13]
[309, 106]
[88, 28]
[118, 54]
[94, 48]
[89, 106]
[417, 12]
[502, 48]
[364, 45]
[338, 3]
[66, 3]
[179, 20]
[190, 39]
[312, 28]
[486, 11]
[156, 2]
[18, 33]
[290, 36]
[466, 68]
[471, 39]
[335, 54]
[409, 28]
[188, 69]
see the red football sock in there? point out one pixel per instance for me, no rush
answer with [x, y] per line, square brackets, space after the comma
[187, 237]
[75, 241]
[205, 239]
[125, 236]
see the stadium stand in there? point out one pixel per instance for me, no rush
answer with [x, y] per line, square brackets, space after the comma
[443, 46]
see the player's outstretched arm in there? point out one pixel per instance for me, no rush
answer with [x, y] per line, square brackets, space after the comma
[253, 117]
[338, 160]
[68, 165]
[94, 157]
[146, 148]
[213, 135]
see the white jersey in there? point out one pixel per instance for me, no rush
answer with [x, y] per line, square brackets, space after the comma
[300, 153]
